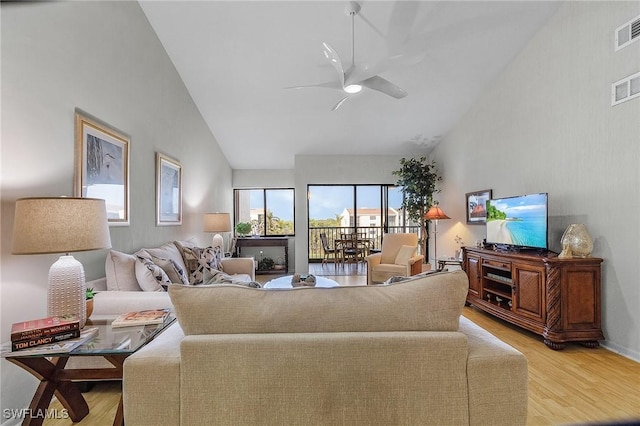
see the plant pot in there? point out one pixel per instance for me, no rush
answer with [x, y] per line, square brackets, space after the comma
[89, 307]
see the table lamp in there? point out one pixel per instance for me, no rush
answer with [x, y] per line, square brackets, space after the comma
[217, 222]
[62, 225]
[435, 213]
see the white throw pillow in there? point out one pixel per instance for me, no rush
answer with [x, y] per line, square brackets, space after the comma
[150, 276]
[120, 270]
[405, 254]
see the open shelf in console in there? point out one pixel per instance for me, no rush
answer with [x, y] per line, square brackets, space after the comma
[497, 283]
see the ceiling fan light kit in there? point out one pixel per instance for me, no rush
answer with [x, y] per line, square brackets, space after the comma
[352, 80]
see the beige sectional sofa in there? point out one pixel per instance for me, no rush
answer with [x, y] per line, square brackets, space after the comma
[394, 354]
[136, 281]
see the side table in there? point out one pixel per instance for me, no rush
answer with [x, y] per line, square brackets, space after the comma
[444, 261]
[113, 344]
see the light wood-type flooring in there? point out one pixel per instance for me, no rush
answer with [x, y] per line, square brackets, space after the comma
[577, 385]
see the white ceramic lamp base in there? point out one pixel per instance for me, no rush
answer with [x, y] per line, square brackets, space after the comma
[218, 247]
[67, 289]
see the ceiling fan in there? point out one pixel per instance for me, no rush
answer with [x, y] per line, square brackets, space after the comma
[356, 77]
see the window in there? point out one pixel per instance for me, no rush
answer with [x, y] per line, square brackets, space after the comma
[269, 211]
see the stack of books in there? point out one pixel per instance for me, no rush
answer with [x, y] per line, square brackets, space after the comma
[44, 331]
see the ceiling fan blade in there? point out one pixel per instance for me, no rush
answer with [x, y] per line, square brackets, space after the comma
[384, 86]
[401, 22]
[364, 71]
[334, 59]
[327, 85]
[340, 102]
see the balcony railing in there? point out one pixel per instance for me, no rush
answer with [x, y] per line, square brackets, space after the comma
[374, 233]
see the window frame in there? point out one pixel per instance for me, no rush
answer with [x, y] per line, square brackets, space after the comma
[236, 209]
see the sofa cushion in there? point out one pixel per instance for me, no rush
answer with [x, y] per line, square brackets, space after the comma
[428, 303]
[120, 270]
[405, 254]
[150, 276]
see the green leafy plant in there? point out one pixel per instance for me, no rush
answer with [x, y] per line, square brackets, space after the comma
[417, 178]
[266, 264]
[89, 293]
[243, 228]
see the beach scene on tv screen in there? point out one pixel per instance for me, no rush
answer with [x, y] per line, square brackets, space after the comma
[518, 221]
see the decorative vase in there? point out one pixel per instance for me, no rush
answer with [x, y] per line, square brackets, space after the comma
[576, 241]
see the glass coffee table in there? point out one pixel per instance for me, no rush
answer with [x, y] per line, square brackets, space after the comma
[113, 344]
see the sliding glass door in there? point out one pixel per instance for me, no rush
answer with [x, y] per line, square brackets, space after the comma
[368, 210]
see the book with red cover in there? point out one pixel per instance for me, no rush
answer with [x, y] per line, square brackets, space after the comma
[17, 345]
[42, 327]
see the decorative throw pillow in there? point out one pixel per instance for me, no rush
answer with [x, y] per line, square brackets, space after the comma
[405, 254]
[120, 270]
[150, 276]
[198, 260]
[174, 271]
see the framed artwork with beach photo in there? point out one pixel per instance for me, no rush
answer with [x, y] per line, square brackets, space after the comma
[476, 206]
[102, 166]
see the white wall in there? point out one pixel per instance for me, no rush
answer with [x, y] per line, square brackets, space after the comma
[547, 125]
[104, 58]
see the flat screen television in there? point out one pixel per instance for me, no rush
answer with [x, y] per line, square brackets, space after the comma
[518, 222]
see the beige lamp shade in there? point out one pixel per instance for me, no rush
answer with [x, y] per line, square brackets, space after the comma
[217, 222]
[60, 225]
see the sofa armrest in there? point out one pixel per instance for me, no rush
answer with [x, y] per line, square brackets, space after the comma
[415, 265]
[239, 265]
[373, 259]
[497, 377]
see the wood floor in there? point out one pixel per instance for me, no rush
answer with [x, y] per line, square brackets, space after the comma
[575, 386]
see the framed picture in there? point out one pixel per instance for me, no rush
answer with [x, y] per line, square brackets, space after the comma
[168, 191]
[477, 206]
[102, 166]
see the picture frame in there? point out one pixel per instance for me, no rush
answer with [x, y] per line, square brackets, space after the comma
[476, 206]
[102, 166]
[168, 191]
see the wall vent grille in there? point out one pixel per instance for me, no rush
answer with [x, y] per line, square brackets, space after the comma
[625, 89]
[627, 33]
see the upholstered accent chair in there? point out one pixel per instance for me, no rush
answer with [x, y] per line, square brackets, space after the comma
[398, 257]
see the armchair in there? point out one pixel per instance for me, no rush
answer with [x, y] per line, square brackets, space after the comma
[397, 258]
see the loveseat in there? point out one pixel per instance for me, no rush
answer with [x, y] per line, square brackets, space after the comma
[138, 281]
[361, 355]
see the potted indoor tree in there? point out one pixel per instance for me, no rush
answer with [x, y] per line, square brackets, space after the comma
[417, 178]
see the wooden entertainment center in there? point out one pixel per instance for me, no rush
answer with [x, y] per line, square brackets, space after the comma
[556, 298]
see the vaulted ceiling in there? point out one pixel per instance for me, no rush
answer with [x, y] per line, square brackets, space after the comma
[237, 57]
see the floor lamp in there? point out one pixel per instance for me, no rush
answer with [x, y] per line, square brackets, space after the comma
[62, 225]
[435, 213]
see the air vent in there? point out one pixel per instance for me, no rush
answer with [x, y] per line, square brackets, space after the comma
[628, 33]
[625, 89]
